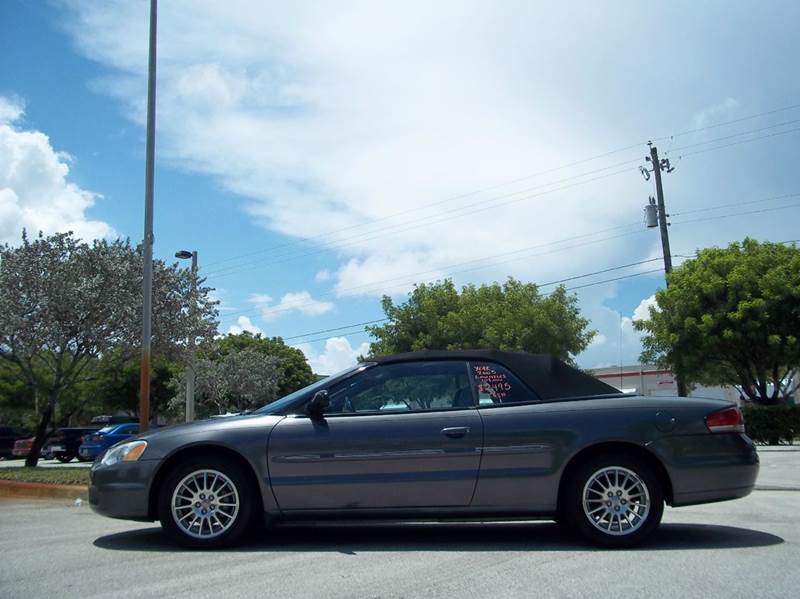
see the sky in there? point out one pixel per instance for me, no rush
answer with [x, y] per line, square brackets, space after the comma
[319, 155]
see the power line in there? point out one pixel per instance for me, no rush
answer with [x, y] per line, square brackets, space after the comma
[620, 267]
[539, 285]
[720, 206]
[734, 121]
[721, 216]
[337, 244]
[347, 326]
[485, 205]
[740, 134]
[405, 283]
[744, 141]
[413, 277]
[511, 182]
[604, 281]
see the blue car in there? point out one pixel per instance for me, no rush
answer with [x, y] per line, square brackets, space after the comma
[96, 443]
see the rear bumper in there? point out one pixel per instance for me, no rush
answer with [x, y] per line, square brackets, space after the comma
[709, 468]
[122, 490]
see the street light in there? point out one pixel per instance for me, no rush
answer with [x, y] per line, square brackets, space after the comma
[185, 255]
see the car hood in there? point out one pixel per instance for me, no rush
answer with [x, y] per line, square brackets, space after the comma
[199, 427]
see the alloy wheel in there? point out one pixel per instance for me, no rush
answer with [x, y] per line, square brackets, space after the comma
[205, 504]
[616, 501]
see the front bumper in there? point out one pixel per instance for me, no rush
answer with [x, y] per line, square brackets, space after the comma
[122, 490]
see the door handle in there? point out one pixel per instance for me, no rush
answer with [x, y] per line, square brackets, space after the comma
[455, 432]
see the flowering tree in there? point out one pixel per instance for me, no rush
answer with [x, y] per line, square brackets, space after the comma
[64, 303]
[233, 382]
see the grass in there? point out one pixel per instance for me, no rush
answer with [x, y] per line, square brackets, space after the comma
[58, 476]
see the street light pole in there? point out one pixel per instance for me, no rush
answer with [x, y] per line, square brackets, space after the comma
[190, 374]
[147, 278]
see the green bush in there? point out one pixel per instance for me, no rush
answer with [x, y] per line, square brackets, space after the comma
[772, 425]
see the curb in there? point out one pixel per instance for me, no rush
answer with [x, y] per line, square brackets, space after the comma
[15, 488]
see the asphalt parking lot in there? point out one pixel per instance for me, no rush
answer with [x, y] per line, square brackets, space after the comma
[742, 548]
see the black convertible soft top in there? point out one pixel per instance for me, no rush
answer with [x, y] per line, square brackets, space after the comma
[548, 376]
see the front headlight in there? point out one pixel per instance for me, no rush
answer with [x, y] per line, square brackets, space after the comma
[124, 452]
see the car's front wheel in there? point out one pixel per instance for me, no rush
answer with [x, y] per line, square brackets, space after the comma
[207, 503]
[614, 501]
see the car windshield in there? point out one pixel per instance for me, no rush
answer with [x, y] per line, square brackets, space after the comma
[278, 405]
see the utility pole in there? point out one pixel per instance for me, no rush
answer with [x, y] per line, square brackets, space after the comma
[663, 225]
[147, 279]
[662, 213]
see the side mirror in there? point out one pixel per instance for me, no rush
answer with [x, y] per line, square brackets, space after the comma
[318, 404]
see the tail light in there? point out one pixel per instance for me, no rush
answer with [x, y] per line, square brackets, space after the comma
[727, 420]
[97, 437]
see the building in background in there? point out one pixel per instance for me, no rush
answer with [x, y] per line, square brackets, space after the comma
[650, 380]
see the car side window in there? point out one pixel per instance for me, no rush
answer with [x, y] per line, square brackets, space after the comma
[498, 385]
[128, 430]
[404, 387]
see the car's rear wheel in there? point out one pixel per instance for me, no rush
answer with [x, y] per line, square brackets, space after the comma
[614, 501]
[207, 503]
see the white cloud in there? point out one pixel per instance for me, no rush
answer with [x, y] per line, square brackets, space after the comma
[220, 295]
[243, 323]
[617, 342]
[35, 193]
[337, 355]
[322, 275]
[642, 311]
[716, 113]
[327, 117]
[300, 301]
[598, 340]
[11, 109]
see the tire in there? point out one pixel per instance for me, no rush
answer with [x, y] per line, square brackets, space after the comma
[625, 519]
[64, 458]
[212, 523]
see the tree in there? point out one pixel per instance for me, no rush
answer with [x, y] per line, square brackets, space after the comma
[293, 370]
[65, 303]
[236, 381]
[113, 383]
[731, 316]
[513, 316]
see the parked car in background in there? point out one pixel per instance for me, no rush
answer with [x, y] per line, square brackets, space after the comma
[22, 447]
[107, 420]
[97, 442]
[8, 436]
[66, 442]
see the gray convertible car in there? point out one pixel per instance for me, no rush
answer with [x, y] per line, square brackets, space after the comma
[435, 435]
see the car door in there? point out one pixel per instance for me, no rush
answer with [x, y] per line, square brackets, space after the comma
[519, 468]
[395, 436]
